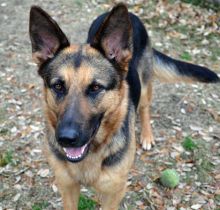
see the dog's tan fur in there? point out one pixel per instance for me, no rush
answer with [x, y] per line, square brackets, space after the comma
[109, 182]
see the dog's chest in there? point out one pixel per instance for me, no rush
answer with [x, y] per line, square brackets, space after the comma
[88, 171]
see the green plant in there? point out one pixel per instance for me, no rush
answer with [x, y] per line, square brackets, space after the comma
[4, 131]
[188, 144]
[2, 114]
[86, 203]
[201, 157]
[6, 158]
[186, 56]
[40, 205]
[204, 4]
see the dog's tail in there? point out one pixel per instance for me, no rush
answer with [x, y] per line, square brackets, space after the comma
[170, 70]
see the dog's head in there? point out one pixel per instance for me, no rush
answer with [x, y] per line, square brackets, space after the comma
[84, 85]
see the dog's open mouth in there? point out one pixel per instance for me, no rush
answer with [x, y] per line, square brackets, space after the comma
[76, 154]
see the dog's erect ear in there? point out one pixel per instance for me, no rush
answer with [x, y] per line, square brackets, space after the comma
[114, 37]
[46, 36]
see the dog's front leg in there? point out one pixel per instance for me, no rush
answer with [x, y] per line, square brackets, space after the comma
[67, 186]
[69, 191]
[111, 199]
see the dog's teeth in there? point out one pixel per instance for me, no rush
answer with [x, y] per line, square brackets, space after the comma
[72, 157]
[84, 147]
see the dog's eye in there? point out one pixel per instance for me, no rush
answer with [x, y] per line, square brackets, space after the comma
[59, 88]
[94, 88]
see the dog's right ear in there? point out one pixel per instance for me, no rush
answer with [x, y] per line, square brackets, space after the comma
[46, 36]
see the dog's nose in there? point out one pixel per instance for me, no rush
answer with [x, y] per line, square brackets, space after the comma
[68, 137]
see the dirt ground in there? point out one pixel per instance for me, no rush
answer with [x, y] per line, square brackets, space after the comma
[178, 110]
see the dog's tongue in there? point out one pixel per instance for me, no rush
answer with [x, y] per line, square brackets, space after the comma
[75, 152]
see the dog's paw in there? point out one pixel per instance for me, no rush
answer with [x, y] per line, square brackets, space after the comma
[147, 143]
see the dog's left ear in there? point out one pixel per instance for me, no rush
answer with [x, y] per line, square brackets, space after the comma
[114, 37]
[46, 36]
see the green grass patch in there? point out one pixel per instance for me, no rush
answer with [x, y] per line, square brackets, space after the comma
[202, 158]
[79, 3]
[217, 199]
[215, 53]
[6, 158]
[213, 36]
[4, 131]
[86, 203]
[183, 29]
[200, 155]
[40, 205]
[2, 114]
[204, 4]
[189, 144]
[186, 56]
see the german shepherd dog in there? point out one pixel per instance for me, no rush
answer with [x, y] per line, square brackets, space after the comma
[92, 92]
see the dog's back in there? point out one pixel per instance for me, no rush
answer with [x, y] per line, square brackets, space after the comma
[148, 63]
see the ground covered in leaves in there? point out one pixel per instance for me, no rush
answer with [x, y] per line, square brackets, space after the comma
[185, 118]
